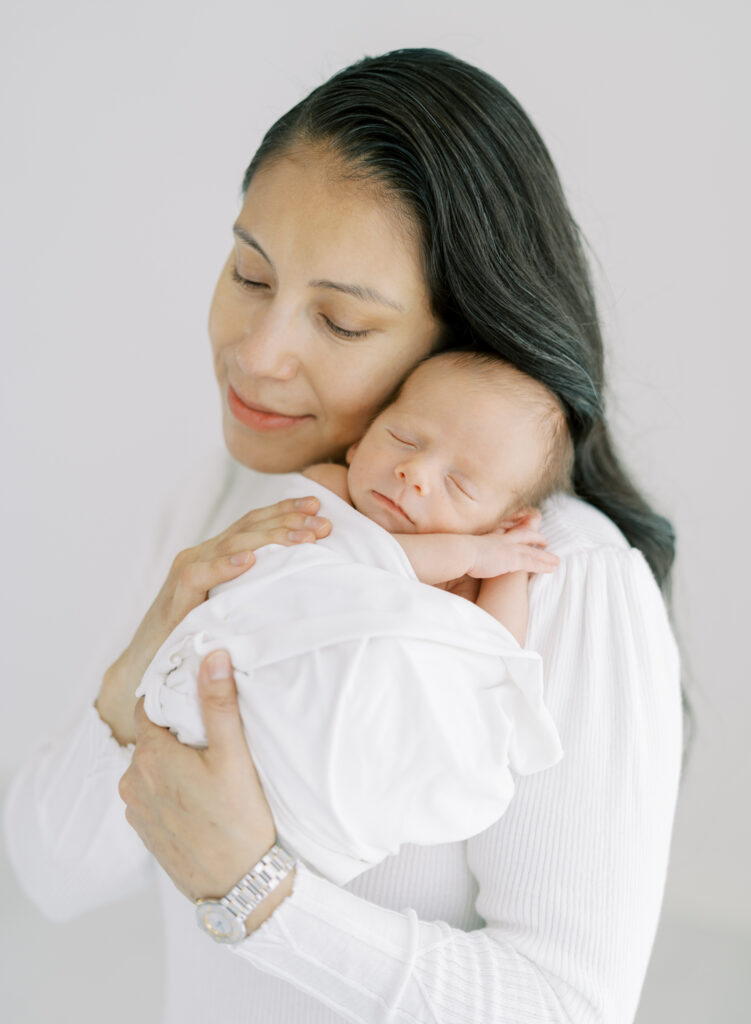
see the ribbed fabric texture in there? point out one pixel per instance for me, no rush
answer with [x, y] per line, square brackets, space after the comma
[548, 916]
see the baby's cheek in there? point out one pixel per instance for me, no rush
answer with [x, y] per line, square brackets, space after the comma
[356, 491]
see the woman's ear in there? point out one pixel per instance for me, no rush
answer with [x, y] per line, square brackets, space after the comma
[351, 451]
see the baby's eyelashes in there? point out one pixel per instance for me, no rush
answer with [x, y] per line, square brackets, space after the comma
[401, 440]
[461, 489]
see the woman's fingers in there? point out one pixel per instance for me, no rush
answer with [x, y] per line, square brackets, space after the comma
[306, 505]
[217, 694]
[196, 579]
[293, 528]
[287, 529]
[224, 558]
[194, 572]
[272, 527]
[277, 525]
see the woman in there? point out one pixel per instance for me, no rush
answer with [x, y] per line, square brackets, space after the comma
[406, 205]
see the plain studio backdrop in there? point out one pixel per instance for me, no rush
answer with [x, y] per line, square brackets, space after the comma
[125, 133]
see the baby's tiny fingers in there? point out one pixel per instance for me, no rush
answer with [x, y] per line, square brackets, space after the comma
[528, 536]
[545, 562]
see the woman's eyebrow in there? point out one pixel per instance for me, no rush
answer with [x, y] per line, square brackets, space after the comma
[359, 291]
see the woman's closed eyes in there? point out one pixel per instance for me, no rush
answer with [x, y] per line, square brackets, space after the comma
[245, 282]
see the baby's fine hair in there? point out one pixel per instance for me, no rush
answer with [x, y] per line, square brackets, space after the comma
[490, 370]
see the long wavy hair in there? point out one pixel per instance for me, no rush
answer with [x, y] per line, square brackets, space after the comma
[502, 256]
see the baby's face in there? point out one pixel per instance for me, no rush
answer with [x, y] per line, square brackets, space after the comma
[449, 456]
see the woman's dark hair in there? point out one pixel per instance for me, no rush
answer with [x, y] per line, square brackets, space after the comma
[502, 256]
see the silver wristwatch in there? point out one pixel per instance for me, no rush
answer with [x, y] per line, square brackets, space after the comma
[224, 919]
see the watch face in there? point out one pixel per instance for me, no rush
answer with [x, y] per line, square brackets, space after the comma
[219, 922]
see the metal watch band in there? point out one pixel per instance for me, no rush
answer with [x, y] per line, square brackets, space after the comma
[224, 919]
[263, 878]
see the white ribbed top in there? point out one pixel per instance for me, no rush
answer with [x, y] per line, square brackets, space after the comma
[548, 916]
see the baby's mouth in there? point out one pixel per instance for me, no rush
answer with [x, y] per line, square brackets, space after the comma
[392, 505]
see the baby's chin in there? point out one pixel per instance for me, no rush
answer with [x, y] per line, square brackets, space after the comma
[377, 512]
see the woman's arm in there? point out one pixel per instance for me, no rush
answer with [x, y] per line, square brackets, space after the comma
[65, 831]
[193, 573]
[65, 828]
[570, 880]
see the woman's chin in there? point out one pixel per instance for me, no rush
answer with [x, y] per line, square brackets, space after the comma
[268, 454]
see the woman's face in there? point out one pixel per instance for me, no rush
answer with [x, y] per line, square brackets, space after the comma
[319, 313]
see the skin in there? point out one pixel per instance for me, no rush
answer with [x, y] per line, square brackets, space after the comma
[271, 332]
[202, 813]
[442, 469]
[452, 455]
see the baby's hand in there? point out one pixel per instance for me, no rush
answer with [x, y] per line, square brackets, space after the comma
[516, 549]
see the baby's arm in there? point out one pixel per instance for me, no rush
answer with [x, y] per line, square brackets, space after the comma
[502, 561]
[506, 598]
[439, 557]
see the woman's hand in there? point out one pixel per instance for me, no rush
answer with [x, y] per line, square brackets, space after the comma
[202, 813]
[192, 575]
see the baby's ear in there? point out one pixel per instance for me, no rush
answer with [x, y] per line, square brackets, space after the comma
[527, 516]
[351, 451]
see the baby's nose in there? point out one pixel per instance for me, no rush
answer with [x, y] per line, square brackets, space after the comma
[413, 475]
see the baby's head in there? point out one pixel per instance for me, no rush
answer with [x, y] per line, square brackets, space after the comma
[468, 444]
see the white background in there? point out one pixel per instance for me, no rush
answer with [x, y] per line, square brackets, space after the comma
[125, 133]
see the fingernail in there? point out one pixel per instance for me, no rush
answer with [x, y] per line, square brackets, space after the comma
[302, 502]
[219, 666]
[300, 535]
[240, 558]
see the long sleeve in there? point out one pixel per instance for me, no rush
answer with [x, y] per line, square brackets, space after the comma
[547, 916]
[64, 822]
[570, 880]
[65, 827]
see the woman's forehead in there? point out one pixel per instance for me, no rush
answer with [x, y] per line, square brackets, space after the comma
[300, 214]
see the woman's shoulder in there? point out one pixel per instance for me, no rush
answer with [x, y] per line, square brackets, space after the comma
[574, 527]
[601, 610]
[603, 587]
[193, 498]
[597, 562]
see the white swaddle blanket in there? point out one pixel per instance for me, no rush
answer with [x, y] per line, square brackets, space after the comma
[379, 710]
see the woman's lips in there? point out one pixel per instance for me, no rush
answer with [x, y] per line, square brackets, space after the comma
[391, 505]
[259, 419]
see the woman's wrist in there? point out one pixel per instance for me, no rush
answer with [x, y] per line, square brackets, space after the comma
[116, 700]
[264, 910]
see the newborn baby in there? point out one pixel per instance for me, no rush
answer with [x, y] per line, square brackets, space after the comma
[469, 445]
[381, 710]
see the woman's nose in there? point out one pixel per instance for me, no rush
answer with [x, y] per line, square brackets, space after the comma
[266, 350]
